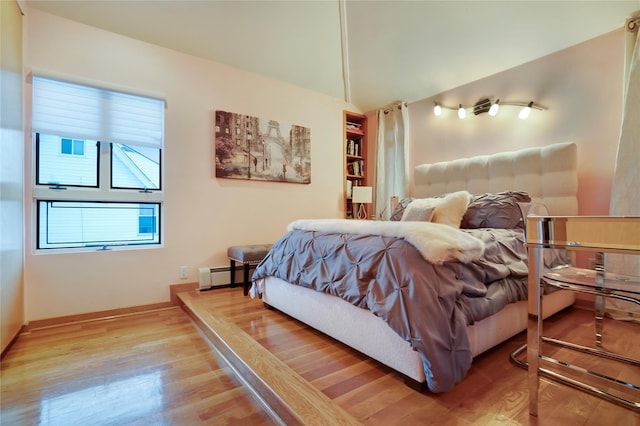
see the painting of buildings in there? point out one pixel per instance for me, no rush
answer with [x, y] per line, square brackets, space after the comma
[252, 148]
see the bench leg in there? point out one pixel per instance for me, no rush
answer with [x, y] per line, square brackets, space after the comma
[246, 278]
[233, 273]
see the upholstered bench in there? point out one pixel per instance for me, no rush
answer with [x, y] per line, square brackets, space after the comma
[247, 255]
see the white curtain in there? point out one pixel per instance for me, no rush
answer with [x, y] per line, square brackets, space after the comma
[625, 190]
[392, 158]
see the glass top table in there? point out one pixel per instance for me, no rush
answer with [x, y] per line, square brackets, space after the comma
[599, 234]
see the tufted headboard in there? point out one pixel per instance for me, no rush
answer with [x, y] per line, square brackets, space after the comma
[548, 174]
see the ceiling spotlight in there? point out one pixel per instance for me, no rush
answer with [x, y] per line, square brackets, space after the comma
[461, 112]
[494, 108]
[525, 111]
[437, 110]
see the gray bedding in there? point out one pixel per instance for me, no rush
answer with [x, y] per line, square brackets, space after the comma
[428, 305]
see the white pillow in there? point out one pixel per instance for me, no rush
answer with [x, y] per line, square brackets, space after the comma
[447, 210]
[421, 209]
[451, 208]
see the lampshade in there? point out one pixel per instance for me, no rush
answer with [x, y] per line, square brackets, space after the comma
[362, 194]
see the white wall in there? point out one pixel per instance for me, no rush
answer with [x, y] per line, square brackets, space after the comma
[582, 88]
[11, 172]
[203, 215]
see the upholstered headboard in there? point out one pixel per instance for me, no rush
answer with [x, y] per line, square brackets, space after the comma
[548, 174]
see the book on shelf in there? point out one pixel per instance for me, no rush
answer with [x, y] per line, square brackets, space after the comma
[353, 147]
[355, 168]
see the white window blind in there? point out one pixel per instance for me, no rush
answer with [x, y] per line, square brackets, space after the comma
[86, 112]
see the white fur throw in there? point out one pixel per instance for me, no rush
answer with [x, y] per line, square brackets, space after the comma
[436, 242]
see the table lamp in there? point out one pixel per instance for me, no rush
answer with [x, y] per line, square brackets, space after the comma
[362, 195]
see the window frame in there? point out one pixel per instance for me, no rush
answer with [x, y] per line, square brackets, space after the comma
[103, 192]
[144, 189]
[36, 176]
[102, 246]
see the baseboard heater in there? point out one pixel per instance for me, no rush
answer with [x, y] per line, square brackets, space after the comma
[216, 276]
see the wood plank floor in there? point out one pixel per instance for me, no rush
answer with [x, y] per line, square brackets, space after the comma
[494, 392]
[156, 368]
[143, 369]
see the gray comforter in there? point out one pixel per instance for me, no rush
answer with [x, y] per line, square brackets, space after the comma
[428, 305]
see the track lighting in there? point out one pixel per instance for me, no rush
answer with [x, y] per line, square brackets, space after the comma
[525, 111]
[481, 106]
[494, 108]
[487, 105]
[462, 113]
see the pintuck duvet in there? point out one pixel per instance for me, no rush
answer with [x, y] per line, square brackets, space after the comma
[428, 304]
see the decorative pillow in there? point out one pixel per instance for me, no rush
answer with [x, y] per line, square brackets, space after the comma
[447, 209]
[451, 208]
[399, 210]
[421, 210]
[495, 210]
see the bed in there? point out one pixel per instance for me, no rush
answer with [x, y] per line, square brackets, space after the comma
[429, 269]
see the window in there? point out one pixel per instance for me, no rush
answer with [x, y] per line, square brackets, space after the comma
[72, 146]
[98, 167]
[147, 223]
[135, 167]
[64, 168]
[66, 224]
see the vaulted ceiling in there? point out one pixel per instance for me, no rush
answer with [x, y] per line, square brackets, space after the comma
[369, 53]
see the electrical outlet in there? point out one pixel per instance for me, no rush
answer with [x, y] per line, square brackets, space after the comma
[183, 272]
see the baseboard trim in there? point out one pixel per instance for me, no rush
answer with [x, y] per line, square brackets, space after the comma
[6, 349]
[96, 316]
[173, 302]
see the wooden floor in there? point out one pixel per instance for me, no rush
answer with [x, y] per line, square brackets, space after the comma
[144, 369]
[155, 368]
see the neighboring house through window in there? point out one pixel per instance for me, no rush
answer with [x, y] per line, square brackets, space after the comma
[98, 167]
[72, 146]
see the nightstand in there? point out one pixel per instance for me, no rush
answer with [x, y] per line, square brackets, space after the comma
[580, 233]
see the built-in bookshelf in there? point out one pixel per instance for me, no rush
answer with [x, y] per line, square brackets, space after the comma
[355, 158]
